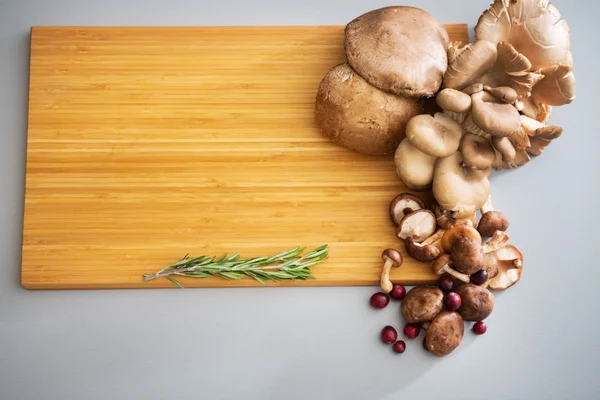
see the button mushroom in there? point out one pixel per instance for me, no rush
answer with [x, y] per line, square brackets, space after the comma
[400, 50]
[507, 264]
[418, 225]
[414, 167]
[444, 265]
[491, 220]
[445, 333]
[360, 117]
[477, 302]
[403, 204]
[392, 259]
[437, 135]
[457, 188]
[422, 303]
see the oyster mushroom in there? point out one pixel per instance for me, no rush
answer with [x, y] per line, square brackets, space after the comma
[404, 204]
[445, 333]
[557, 88]
[494, 116]
[454, 104]
[398, 49]
[419, 225]
[505, 152]
[445, 219]
[414, 167]
[437, 135]
[477, 302]
[422, 303]
[444, 265]
[468, 62]
[504, 93]
[506, 264]
[392, 259]
[477, 152]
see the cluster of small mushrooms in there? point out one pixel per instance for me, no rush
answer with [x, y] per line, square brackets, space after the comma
[450, 113]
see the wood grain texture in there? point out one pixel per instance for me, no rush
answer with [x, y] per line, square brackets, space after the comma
[145, 144]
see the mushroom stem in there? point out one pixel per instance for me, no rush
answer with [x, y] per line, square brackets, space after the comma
[386, 284]
[498, 241]
[460, 276]
[437, 236]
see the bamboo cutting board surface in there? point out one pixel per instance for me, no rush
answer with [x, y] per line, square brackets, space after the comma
[145, 144]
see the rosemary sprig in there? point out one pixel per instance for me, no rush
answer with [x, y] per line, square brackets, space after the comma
[288, 265]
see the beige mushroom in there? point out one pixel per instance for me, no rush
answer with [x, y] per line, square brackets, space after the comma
[557, 88]
[360, 117]
[494, 116]
[437, 135]
[398, 49]
[506, 152]
[453, 100]
[459, 189]
[503, 93]
[404, 204]
[418, 225]
[468, 62]
[414, 167]
[477, 152]
[507, 264]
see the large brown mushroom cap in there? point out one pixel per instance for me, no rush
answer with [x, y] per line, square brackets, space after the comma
[400, 50]
[360, 117]
[421, 304]
[477, 302]
[445, 333]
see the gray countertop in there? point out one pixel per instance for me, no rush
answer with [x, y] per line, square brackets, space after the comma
[307, 343]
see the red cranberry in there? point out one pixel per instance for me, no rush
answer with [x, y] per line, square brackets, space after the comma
[398, 292]
[446, 283]
[379, 300]
[479, 328]
[453, 301]
[411, 331]
[479, 277]
[399, 346]
[389, 335]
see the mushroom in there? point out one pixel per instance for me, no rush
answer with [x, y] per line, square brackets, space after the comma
[477, 302]
[418, 225]
[473, 88]
[467, 63]
[398, 49]
[503, 93]
[453, 100]
[422, 303]
[421, 251]
[557, 88]
[499, 240]
[457, 232]
[505, 151]
[459, 189]
[392, 259]
[414, 167]
[446, 220]
[360, 117]
[494, 116]
[444, 333]
[540, 112]
[491, 220]
[437, 135]
[404, 204]
[477, 152]
[443, 265]
[507, 265]
[467, 255]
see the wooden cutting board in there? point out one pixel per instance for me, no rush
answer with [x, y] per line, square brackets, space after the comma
[145, 144]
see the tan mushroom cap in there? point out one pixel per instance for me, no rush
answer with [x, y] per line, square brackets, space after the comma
[467, 63]
[398, 49]
[508, 262]
[477, 152]
[557, 88]
[533, 27]
[453, 100]
[414, 167]
[494, 116]
[459, 189]
[504, 93]
[437, 135]
[506, 151]
[360, 117]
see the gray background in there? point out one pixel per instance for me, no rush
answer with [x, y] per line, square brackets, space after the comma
[307, 343]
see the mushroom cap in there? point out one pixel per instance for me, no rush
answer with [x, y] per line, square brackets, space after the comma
[533, 27]
[557, 88]
[467, 63]
[477, 302]
[477, 151]
[414, 167]
[437, 135]
[418, 225]
[360, 117]
[503, 93]
[453, 100]
[459, 189]
[445, 333]
[457, 232]
[400, 50]
[419, 252]
[505, 148]
[394, 256]
[494, 116]
[491, 222]
[404, 204]
[508, 261]
[467, 256]
[473, 88]
[422, 303]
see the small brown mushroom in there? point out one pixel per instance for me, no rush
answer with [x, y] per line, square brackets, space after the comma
[491, 220]
[467, 255]
[419, 225]
[445, 333]
[392, 259]
[456, 232]
[421, 252]
[477, 302]
[422, 303]
[404, 204]
[443, 265]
